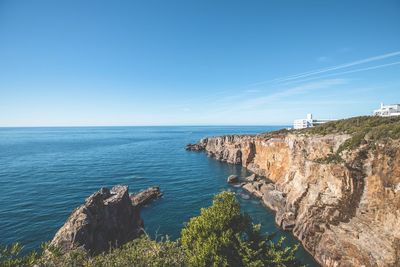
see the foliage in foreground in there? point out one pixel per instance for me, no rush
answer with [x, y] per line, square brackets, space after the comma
[139, 252]
[10, 256]
[223, 236]
[220, 236]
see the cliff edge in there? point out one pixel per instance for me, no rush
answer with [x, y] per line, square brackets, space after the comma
[336, 186]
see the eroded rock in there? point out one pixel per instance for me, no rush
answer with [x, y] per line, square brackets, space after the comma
[233, 179]
[200, 146]
[107, 218]
[254, 189]
[146, 196]
[251, 178]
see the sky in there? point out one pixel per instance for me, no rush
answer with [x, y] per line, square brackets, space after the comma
[208, 62]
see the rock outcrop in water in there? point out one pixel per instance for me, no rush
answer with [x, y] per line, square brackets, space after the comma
[146, 196]
[107, 218]
[232, 179]
[195, 147]
[345, 212]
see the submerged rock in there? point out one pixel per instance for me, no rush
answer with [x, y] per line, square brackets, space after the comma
[233, 179]
[146, 196]
[244, 196]
[106, 219]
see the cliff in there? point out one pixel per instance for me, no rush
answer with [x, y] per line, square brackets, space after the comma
[337, 189]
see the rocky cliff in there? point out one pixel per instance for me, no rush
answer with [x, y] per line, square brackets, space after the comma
[108, 218]
[341, 202]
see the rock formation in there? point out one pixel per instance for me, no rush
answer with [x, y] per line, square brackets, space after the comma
[107, 218]
[233, 179]
[345, 213]
[195, 147]
[251, 178]
[146, 196]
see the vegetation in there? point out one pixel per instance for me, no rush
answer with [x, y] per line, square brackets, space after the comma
[220, 236]
[10, 256]
[331, 158]
[139, 252]
[363, 130]
[368, 128]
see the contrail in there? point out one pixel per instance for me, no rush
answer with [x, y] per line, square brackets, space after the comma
[344, 72]
[342, 66]
[324, 70]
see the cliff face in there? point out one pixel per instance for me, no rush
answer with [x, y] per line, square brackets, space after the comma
[346, 212]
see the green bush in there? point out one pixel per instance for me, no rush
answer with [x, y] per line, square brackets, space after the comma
[10, 256]
[139, 252]
[223, 236]
[143, 252]
[331, 158]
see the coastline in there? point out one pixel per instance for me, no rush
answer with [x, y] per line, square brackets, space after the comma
[327, 205]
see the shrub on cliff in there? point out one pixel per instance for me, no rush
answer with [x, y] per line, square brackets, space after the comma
[139, 252]
[143, 252]
[10, 256]
[363, 129]
[223, 236]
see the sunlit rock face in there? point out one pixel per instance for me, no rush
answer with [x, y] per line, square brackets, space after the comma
[345, 213]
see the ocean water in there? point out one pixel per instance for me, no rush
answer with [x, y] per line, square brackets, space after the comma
[47, 172]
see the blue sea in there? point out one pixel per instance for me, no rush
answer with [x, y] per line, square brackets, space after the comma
[47, 172]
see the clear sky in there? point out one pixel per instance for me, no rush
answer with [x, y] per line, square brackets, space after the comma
[170, 62]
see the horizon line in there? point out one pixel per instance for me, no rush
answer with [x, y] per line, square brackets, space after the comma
[152, 125]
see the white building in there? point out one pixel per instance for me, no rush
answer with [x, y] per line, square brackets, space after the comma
[308, 122]
[388, 110]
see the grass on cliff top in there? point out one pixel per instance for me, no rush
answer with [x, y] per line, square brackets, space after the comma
[375, 127]
[363, 130]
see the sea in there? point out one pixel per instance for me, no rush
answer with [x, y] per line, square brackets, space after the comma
[47, 172]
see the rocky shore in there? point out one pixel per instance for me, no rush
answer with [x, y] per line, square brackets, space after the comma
[108, 218]
[345, 212]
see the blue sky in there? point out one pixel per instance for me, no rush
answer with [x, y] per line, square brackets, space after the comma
[195, 62]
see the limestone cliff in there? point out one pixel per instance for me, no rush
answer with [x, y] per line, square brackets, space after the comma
[346, 212]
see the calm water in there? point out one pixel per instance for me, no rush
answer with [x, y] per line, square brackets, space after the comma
[46, 172]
